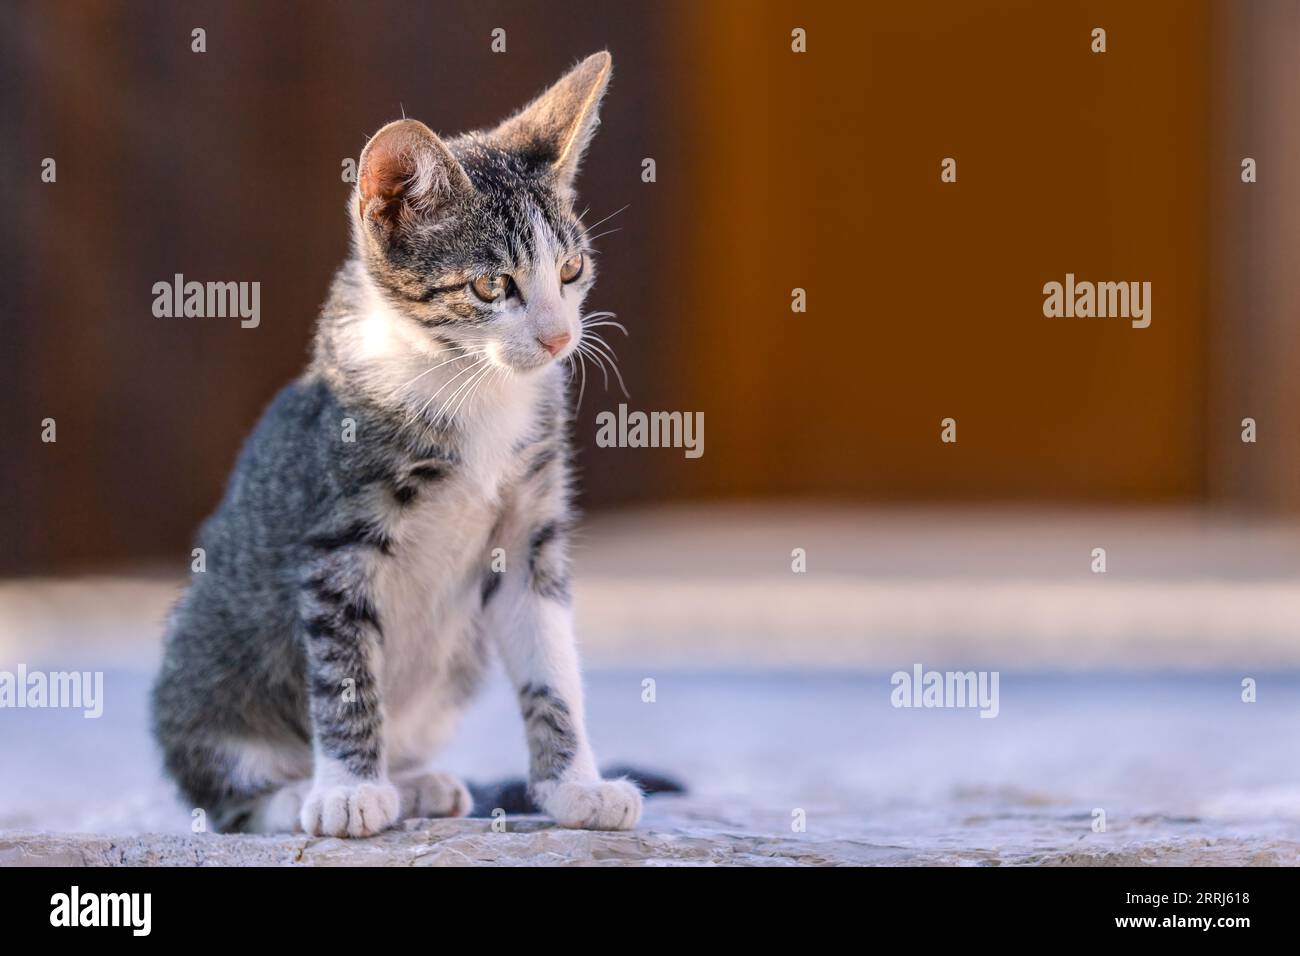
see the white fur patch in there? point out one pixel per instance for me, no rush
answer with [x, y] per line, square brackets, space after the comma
[428, 592]
[598, 805]
[359, 809]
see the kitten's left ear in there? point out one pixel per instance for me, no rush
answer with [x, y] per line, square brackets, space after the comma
[555, 128]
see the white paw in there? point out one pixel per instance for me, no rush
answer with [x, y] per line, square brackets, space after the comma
[434, 794]
[355, 810]
[599, 805]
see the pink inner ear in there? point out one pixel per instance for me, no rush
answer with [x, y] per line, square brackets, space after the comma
[385, 176]
[386, 171]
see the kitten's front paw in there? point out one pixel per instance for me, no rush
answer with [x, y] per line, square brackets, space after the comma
[599, 805]
[355, 810]
[434, 794]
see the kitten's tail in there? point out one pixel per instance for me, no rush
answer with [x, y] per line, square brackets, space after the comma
[512, 795]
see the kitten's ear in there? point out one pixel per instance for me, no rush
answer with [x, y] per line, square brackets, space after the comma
[407, 176]
[556, 127]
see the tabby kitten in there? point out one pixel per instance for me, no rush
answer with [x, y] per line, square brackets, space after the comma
[354, 588]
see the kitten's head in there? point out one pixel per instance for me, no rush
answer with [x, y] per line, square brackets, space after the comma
[474, 241]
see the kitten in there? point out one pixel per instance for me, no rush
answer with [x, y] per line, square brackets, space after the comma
[354, 589]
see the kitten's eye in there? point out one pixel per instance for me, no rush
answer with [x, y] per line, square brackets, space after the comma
[491, 288]
[572, 268]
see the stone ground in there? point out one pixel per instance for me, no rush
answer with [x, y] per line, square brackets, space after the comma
[1184, 771]
[675, 837]
[1119, 698]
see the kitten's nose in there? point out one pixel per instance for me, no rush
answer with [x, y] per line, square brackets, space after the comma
[554, 343]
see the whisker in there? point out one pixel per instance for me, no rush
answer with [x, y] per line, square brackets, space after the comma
[502, 373]
[596, 325]
[456, 348]
[598, 360]
[587, 229]
[482, 383]
[434, 368]
[589, 321]
[430, 399]
[483, 367]
[442, 413]
[607, 232]
[597, 337]
[600, 344]
[582, 388]
[474, 384]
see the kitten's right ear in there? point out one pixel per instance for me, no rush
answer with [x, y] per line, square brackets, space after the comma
[407, 176]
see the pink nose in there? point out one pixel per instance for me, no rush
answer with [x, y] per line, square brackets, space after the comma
[555, 342]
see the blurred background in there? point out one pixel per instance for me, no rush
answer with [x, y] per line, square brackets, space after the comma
[775, 170]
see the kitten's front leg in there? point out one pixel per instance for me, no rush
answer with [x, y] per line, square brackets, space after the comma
[529, 614]
[350, 793]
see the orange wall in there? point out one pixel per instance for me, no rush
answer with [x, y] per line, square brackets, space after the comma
[822, 170]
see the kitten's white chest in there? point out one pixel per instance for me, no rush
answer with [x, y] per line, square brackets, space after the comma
[428, 593]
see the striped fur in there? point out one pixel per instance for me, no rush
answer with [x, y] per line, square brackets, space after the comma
[350, 602]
